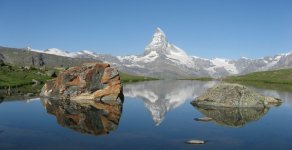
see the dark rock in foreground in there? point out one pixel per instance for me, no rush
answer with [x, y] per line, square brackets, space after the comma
[90, 118]
[234, 95]
[91, 81]
[233, 116]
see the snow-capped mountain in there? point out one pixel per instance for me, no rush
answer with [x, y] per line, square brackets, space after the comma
[55, 51]
[159, 45]
[164, 59]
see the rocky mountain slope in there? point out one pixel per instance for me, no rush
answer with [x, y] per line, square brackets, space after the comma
[164, 59]
[27, 57]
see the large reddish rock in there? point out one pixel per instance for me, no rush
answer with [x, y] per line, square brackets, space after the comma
[91, 81]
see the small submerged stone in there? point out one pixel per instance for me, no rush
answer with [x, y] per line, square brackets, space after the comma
[205, 119]
[195, 142]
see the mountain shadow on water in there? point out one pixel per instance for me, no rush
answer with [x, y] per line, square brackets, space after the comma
[92, 118]
[232, 116]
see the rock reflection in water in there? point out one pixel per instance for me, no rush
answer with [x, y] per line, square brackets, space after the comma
[232, 117]
[94, 118]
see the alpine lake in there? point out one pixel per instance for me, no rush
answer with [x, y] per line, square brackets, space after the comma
[154, 115]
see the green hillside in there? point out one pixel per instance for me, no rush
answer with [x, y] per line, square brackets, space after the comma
[133, 78]
[25, 80]
[18, 76]
[277, 80]
[283, 76]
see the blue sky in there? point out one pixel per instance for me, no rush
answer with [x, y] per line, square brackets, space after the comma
[205, 28]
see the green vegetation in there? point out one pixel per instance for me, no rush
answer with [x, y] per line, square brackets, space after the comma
[278, 79]
[283, 76]
[199, 79]
[30, 80]
[126, 78]
[22, 78]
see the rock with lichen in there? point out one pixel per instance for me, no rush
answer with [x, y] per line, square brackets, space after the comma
[90, 81]
[234, 95]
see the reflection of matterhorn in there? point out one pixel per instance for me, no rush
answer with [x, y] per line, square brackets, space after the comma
[162, 96]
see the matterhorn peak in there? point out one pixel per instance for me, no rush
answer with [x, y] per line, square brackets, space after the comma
[158, 42]
[159, 32]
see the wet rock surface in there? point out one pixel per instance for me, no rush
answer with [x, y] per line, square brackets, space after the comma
[234, 95]
[90, 81]
[90, 118]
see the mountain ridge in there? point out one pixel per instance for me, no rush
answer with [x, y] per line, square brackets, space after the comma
[164, 59]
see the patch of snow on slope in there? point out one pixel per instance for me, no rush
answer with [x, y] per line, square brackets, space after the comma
[58, 52]
[219, 62]
[55, 51]
[273, 62]
[196, 57]
[245, 58]
[178, 56]
[34, 50]
[88, 52]
[286, 54]
[144, 59]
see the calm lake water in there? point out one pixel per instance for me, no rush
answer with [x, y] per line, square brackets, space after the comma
[155, 115]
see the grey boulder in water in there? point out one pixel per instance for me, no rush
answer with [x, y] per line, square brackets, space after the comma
[234, 95]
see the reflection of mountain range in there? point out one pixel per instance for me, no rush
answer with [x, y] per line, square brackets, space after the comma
[162, 96]
[94, 118]
[232, 117]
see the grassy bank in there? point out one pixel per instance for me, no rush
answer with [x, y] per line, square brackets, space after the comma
[127, 78]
